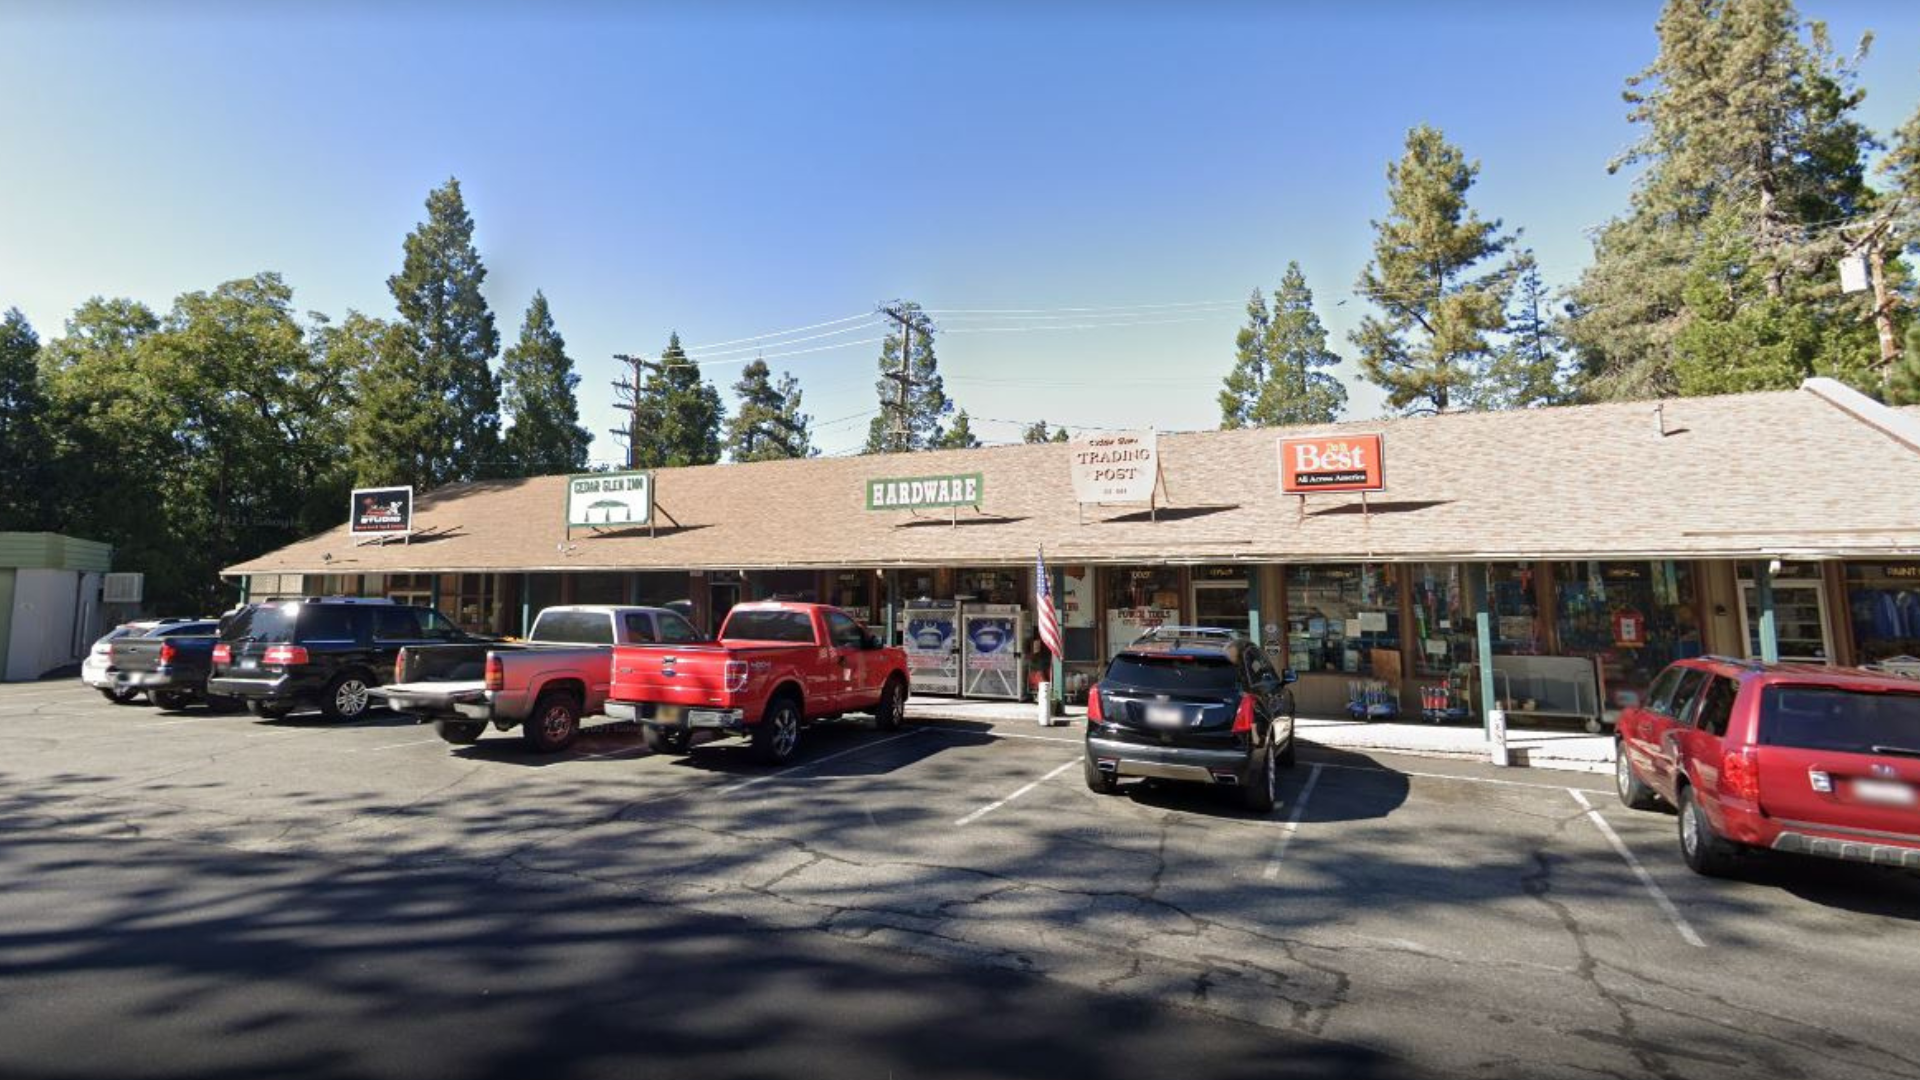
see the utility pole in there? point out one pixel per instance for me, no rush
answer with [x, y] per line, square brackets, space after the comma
[629, 389]
[903, 434]
[1871, 247]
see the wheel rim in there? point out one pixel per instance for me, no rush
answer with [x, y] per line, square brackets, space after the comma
[351, 698]
[897, 703]
[1622, 773]
[556, 722]
[786, 732]
[1272, 775]
[1689, 827]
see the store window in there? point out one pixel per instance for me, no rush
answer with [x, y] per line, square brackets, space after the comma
[599, 588]
[996, 586]
[1883, 601]
[1139, 599]
[1220, 597]
[854, 591]
[802, 586]
[471, 601]
[1344, 618]
[1444, 628]
[1513, 602]
[1633, 618]
[1799, 612]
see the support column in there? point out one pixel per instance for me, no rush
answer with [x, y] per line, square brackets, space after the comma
[1059, 587]
[526, 603]
[892, 578]
[1763, 594]
[1253, 605]
[434, 594]
[1483, 644]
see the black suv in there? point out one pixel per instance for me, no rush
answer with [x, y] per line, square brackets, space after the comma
[1192, 703]
[280, 655]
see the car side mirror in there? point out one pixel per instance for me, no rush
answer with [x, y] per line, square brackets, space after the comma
[871, 641]
[1288, 676]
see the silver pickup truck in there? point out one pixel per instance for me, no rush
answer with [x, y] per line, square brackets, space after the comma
[542, 685]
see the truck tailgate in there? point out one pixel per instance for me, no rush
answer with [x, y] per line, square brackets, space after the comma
[429, 697]
[693, 675]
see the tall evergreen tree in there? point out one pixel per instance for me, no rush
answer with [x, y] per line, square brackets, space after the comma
[768, 424]
[107, 418]
[918, 425]
[678, 419]
[958, 437]
[1530, 367]
[25, 459]
[538, 383]
[1753, 166]
[450, 328]
[397, 432]
[1431, 278]
[1280, 374]
[1038, 432]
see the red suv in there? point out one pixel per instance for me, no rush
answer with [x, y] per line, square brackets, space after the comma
[1789, 757]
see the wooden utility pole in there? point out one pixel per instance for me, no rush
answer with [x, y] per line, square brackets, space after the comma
[1882, 309]
[629, 389]
[900, 429]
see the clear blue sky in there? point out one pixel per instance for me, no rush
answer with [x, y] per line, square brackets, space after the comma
[729, 169]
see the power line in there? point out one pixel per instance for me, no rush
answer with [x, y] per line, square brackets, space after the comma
[1076, 310]
[783, 333]
[1072, 326]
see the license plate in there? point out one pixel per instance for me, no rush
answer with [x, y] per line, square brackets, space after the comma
[705, 716]
[248, 665]
[1883, 792]
[1166, 716]
[668, 713]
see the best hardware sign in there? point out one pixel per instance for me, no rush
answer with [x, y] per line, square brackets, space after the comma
[374, 511]
[614, 498]
[1120, 466]
[926, 492]
[1332, 463]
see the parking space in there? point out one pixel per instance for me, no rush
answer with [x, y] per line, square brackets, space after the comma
[1465, 917]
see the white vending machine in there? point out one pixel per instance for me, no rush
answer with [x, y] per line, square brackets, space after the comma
[994, 664]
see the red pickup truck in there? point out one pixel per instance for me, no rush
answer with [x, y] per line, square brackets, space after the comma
[776, 668]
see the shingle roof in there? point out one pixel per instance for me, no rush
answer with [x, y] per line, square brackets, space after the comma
[1804, 471]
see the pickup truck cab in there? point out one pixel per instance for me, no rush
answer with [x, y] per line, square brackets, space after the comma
[543, 685]
[170, 664]
[776, 668]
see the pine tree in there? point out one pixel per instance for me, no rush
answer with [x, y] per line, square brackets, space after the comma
[1903, 383]
[960, 436]
[1753, 165]
[918, 427]
[1530, 368]
[677, 421]
[1441, 302]
[25, 453]
[397, 434]
[450, 327]
[538, 383]
[1038, 432]
[768, 425]
[1280, 374]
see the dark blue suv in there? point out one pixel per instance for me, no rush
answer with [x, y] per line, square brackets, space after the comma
[1196, 704]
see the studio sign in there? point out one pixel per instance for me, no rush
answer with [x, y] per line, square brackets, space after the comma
[373, 511]
[1332, 463]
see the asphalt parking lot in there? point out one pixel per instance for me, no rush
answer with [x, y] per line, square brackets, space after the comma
[229, 896]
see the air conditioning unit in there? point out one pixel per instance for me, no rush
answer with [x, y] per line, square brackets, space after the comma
[123, 588]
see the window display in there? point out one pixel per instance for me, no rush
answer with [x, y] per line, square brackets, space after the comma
[1515, 606]
[1444, 628]
[997, 586]
[1633, 618]
[1139, 599]
[1883, 600]
[1344, 618]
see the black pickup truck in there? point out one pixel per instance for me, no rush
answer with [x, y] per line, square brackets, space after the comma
[172, 670]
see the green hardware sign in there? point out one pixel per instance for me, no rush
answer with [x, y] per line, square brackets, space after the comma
[926, 492]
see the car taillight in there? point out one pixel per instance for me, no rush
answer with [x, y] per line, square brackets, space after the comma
[1740, 774]
[166, 652]
[1243, 719]
[736, 676]
[109, 652]
[496, 673]
[400, 666]
[285, 655]
[1095, 715]
[223, 654]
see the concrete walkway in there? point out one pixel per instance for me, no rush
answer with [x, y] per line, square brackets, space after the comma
[1575, 751]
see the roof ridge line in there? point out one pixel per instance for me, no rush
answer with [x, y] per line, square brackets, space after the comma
[1899, 427]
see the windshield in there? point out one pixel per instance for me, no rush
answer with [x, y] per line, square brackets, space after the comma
[272, 623]
[1174, 674]
[1834, 718]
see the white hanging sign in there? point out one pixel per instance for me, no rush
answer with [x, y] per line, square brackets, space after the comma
[1116, 466]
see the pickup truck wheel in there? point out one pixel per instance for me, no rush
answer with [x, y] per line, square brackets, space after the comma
[892, 708]
[458, 732]
[346, 698]
[119, 697]
[172, 699]
[666, 740]
[778, 732]
[554, 723]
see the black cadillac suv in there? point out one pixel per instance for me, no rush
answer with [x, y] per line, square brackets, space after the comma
[1197, 704]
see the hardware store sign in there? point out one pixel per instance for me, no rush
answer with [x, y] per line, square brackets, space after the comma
[926, 492]
[1332, 463]
[613, 498]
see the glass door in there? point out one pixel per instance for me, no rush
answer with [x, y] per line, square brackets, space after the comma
[1224, 606]
[1799, 620]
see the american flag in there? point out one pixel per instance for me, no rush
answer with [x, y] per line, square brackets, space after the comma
[1048, 618]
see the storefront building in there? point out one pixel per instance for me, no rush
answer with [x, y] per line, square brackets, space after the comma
[1579, 550]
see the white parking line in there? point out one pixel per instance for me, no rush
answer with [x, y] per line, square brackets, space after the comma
[992, 806]
[816, 762]
[1679, 921]
[1292, 826]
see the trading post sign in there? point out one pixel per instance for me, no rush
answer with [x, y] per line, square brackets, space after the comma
[1116, 466]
